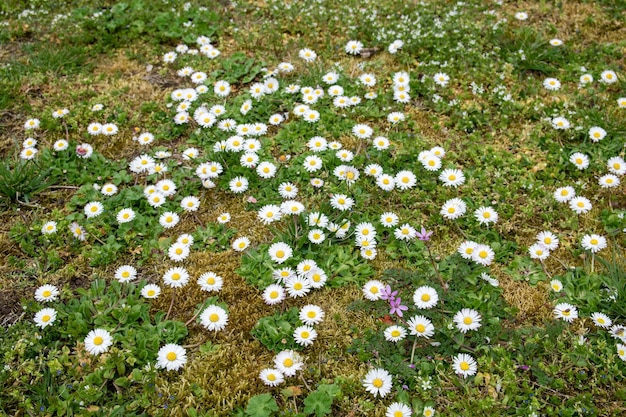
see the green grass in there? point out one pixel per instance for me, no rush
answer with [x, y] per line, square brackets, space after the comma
[493, 119]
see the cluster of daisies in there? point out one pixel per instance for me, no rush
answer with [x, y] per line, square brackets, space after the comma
[326, 161]
[170, 356]
[424, 298]
[288, 362]
[547, 241]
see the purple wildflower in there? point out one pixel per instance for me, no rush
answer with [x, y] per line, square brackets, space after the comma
[424, 235]
[387, 294]
[397, 307]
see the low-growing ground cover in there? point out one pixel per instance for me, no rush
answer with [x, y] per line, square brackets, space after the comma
[313, 208]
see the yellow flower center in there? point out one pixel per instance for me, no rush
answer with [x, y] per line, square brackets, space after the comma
[600, 320]
[305, 335]
[98, 340]
[395, 333]
[420, 328]
[580, 204]
[425, 297]
[616, 165]
[271, 377]
[176, 276]
[210, 281]
[467, 320]
[125, 215]
[451, 210]
[94, 209]
[398, 414]
[151, 293]
[179, 251]
[171, 356]
[452, 177]
[280, 254]
[297, 286]
[125, 274]
[486, 215]
[46, 318]
[274, 294]
[47, 293]
[214, 317]
[594, 241]
[288, 362]
[377, 382]
[464, 366]
[483, 254]
[374, 290]
[311, 314]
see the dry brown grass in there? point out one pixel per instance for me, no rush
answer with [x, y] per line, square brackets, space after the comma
[228, 374]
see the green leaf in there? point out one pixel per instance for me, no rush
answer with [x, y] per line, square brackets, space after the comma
[321, 400]
[261, 406]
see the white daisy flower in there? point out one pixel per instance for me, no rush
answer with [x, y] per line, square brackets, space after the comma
[467, 319]
[566, 312]
[98, 341]
[214, 318]
[378, 382]
[171, 357]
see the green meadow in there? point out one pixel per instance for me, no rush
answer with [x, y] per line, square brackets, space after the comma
[312, 208]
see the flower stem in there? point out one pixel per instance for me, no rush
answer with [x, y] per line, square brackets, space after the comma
[432, 262]
[169, 310]
[195, 344]
[413, 349]
[593, 258]
[545, 270]
[195, 315]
